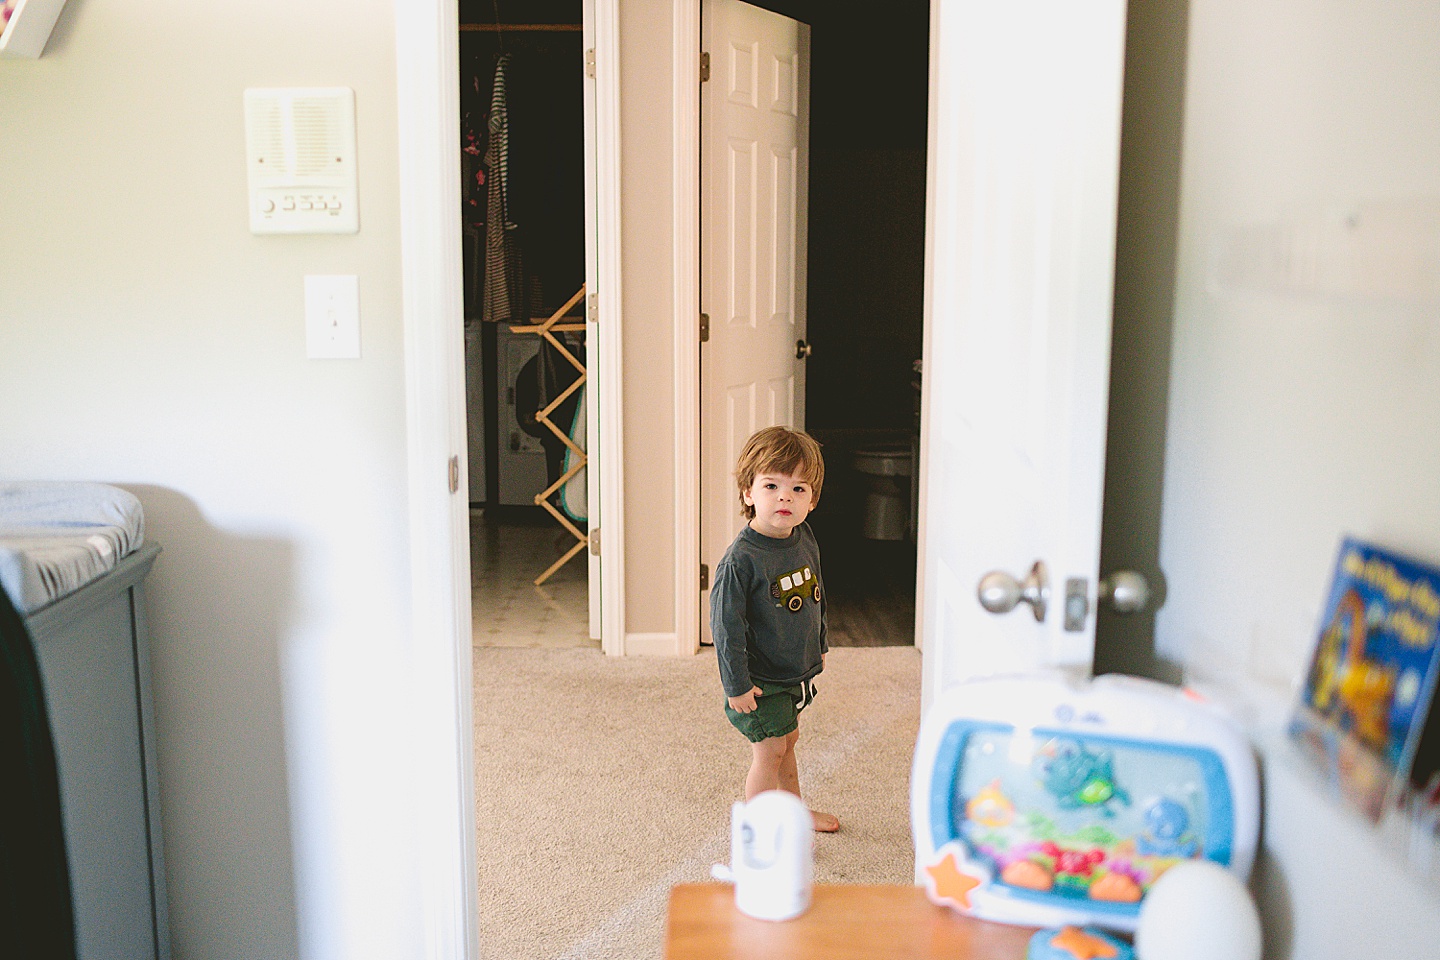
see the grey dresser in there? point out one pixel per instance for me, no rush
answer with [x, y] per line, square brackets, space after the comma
[94, 658]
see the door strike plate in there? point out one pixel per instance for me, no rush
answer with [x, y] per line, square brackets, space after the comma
[1077, 603]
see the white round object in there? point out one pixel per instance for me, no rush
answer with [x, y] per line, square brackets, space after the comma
[1198, 910]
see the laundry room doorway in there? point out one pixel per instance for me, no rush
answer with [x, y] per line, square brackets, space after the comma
[523, 211]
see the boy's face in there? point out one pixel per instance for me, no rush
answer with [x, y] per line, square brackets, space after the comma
[781, 502]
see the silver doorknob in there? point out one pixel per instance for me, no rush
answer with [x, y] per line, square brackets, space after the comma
[1000, 593]
[1125, 590]
[802, 349]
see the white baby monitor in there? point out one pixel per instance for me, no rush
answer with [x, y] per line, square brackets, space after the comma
[772, 859]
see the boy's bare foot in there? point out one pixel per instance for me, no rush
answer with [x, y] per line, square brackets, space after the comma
[825, 822]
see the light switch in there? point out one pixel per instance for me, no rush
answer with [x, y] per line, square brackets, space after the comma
[332, 317]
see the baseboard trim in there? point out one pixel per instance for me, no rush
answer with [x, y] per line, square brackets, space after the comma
[652, 645]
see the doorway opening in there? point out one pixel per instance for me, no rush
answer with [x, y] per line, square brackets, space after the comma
[443, 662]
[521, 104]
[868, 135]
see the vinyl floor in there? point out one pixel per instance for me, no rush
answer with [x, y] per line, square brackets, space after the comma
[507, 609]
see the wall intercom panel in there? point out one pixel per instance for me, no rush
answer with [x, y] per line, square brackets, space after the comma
[300, 154]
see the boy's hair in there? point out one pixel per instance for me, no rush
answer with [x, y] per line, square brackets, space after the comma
[779, 450]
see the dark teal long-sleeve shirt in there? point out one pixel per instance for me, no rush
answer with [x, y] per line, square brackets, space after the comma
[767, 611]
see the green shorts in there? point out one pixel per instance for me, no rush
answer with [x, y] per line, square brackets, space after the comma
[776, 713]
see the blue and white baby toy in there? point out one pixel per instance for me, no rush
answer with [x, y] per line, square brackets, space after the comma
[1045, 801]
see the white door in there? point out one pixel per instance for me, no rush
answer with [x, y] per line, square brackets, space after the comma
[754, 150]
[593, 379]
[1024, 161]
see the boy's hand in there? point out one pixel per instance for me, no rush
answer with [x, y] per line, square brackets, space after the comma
[745, 703]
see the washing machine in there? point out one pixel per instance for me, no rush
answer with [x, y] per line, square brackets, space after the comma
[520, 460]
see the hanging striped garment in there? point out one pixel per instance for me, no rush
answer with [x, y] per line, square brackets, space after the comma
[502, 298]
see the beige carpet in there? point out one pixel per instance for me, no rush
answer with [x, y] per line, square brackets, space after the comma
[601, 783]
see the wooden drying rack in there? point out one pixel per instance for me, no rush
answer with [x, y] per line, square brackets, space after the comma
[547, 329]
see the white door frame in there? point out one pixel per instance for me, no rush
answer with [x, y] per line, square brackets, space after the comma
[427, 101]
[685, 228]
[602, 19]
[427, 95]
[427, 104]
[927, 382]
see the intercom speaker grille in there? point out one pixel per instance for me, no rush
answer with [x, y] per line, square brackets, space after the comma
[267, 132]
[317, 137]
[297, 135]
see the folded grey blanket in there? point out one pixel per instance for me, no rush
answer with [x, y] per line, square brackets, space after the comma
[55, 537]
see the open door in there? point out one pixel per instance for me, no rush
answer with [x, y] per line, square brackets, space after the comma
[594, 453]
[754, 163]
[1024, 165]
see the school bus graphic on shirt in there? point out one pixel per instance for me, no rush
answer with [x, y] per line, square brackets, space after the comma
[792, 588]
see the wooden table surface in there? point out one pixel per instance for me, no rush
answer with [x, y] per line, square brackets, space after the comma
[843, 922]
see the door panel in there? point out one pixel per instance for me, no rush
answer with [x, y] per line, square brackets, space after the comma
[1024, 163]
[754, 162]
[738, 199]
[782, 247]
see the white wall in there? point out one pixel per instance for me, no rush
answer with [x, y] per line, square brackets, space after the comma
[149, 340]
[1304, 394]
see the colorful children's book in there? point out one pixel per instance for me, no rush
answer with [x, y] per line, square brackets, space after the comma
[1363, 707]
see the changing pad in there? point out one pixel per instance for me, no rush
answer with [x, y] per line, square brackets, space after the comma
[55, 537]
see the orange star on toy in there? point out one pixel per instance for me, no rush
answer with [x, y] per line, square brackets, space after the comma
[951, 883]
[1083, 946]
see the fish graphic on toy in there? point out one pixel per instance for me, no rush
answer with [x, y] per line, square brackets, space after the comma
[1077, 777]
[990, 807]
[1166, 831]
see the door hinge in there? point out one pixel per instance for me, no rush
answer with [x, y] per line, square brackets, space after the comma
[595, 541]
[590, 63]
[704, 328]
[455, 474]
[592, 306]
[704, 576]
[704, 67]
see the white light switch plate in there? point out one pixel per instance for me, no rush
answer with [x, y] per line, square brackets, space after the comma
[332, 317]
